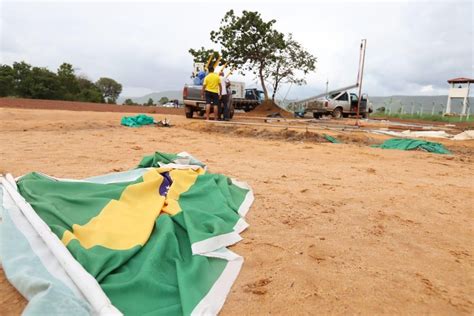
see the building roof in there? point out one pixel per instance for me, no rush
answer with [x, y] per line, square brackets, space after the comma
[461, 80]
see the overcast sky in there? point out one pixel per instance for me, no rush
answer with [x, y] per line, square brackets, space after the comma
[413, 47]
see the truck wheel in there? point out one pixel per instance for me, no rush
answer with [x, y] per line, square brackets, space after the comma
[317, 115]
[337, 113]
[189, 112]
[365, 115]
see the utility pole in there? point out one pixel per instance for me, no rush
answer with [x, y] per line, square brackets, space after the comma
[360, 75]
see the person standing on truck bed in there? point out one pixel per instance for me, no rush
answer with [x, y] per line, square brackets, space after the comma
[211, 88]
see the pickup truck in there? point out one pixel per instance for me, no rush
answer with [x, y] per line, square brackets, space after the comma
[339, 104]
[242, 99]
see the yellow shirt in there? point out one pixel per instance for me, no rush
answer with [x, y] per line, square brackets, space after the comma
[212, 82]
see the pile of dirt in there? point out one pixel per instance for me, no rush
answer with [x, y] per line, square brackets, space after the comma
[269, 107]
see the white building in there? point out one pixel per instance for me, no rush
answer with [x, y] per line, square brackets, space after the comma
[459, 89]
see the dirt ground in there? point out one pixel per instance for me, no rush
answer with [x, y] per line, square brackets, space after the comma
[335, 228]
[19, 103]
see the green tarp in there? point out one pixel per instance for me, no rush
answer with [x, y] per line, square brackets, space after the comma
[137, 121]
[413, 144]
[331, 139]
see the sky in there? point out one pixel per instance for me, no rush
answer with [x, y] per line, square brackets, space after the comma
[413, 47]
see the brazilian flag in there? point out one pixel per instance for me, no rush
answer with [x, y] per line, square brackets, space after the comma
[155, 238]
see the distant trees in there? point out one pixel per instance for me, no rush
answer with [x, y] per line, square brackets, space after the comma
[149, 102]
[7, 84]
[110, 89]
[164, 100]
[25, 81]
[129, 102]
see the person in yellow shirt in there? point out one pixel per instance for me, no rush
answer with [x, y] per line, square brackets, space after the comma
[211, 89]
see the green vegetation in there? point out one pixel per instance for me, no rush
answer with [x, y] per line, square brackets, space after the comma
[163, 100]
[149, 102]
[249, 43]
[110, 89]
[129, 102]
[424, 117]
[25, 81]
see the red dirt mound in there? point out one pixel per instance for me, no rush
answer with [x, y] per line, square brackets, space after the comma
[269, 107]
[83, 106]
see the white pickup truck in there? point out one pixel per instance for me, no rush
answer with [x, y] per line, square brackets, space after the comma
[339, 104]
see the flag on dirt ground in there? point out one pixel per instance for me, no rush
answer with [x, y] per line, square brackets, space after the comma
[147, 241]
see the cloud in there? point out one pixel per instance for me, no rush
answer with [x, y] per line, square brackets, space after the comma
[144, 45]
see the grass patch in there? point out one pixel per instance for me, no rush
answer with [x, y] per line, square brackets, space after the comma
[425, 117]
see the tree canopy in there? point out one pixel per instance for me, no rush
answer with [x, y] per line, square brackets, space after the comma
[163, 100]
[149, 102]
[289, 65]
[250, 44]
[129, 102]
[25, 81]
[110, 89]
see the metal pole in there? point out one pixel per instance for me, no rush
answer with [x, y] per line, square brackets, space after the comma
[363, 45]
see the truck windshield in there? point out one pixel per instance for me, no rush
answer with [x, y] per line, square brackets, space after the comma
[261, 95]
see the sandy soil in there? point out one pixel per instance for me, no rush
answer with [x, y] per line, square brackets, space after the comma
[335, 229]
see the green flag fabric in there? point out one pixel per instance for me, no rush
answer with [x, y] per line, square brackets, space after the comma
[159, 159]
[155, 243]
[413, 144]
[137, 121]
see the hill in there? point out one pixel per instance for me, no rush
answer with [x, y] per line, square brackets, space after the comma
[170, 94]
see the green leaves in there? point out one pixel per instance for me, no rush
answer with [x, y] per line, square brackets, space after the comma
[289, 65]
[6, 81]
[251, 44]
[110, 89]
[23, 80]
[163, 100]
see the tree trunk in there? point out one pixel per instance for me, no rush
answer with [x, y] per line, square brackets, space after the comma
[262, 82]
[275, 87]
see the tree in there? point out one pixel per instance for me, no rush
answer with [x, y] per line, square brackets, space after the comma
[249, 43]
[149, 102]
[202, 54]
[289, 65]
[22, 79]
[129, 102]
[7, 86]
[68, 81]
[35, 82]
[110, 89]
[43, 84]
[163, 100]
[88, 91]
